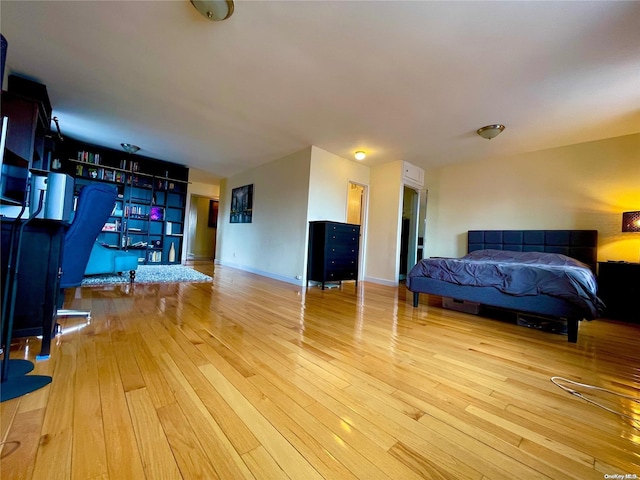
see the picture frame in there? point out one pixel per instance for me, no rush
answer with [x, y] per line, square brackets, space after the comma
[241, 204]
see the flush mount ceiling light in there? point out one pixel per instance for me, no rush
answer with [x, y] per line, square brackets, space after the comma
[130, 148]
[214, 10]
[360, 155]
[490, 131]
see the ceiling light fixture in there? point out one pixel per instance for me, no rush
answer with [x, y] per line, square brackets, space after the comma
[490, 131]
[214, 10]
[360, 155]
[130, 148]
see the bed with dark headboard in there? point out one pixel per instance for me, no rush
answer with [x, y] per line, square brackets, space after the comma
[494, 249]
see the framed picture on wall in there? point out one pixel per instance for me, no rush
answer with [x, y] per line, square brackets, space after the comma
[213, 214]
[241, 204]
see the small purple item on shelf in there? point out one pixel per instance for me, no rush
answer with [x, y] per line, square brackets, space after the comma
[156, 213]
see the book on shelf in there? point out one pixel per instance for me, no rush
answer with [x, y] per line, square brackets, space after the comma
[89, 157]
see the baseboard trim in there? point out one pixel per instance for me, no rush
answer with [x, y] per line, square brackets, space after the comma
[274, 276]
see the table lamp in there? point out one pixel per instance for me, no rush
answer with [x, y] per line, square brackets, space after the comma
[631, 222]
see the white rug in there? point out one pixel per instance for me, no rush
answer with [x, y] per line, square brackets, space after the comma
[150, 274]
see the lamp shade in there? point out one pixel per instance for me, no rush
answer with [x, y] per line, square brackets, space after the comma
[490, 131]
[130, 148]
[215, 10]
[631, 221]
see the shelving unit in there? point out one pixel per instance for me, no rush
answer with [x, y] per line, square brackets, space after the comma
[148, 217]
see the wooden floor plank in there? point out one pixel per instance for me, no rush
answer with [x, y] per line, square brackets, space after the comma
[189, 454]
[218, 447]
[157, 458]
[89, 449]
[123, 456]
[263, 465]
[57, 430]
[283, 453]
[249, 378]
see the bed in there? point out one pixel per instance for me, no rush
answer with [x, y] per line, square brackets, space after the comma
[547, 273]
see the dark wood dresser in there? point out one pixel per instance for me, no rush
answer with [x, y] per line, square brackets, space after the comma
[333, 252]
[619, 289]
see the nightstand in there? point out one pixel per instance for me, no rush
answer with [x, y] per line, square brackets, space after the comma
[619, 289]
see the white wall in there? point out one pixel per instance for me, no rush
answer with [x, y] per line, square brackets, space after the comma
[585, 186]
[383, 231]
[274, 243]
[329, 184]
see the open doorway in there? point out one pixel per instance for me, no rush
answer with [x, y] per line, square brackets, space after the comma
[409, 231]
[201, 244]
[414, 210]
[356, 214]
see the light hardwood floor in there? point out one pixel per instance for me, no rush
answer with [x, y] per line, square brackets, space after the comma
[248, 377]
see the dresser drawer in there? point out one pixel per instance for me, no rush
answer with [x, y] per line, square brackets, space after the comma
[342, 262]
[334, 238]
[341, 274]
[338, 251]
[343, 228]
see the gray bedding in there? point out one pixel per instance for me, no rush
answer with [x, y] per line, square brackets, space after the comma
[518, 273]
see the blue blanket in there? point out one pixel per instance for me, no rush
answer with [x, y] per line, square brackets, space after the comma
[518, 273]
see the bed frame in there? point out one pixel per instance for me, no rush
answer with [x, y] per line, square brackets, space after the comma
[579, 244]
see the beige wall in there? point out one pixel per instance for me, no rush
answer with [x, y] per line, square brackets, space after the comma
[273, 244]
[329, 179]
[585, 186]
[288, 193]
[383, 232]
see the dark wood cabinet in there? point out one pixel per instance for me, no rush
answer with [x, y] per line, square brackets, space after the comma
[28, 125]
[333, 252]
[619, 289]
[37, 277]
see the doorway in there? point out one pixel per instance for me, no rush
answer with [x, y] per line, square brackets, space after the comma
[201, 244]
[356, 214]
[414, 209]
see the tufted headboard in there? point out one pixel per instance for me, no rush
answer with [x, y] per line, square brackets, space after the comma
[579, 244]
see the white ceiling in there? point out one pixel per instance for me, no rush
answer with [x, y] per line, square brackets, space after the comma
[401, 80]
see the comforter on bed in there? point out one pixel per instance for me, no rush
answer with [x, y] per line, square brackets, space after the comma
[518, 273]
